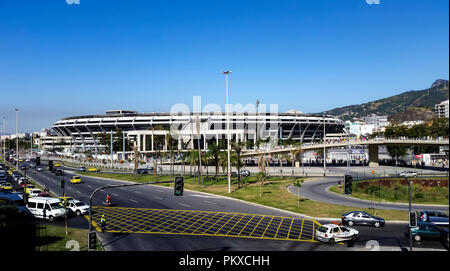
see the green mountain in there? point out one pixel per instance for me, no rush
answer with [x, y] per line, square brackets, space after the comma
[410, 101]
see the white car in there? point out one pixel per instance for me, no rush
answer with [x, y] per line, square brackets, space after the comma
[408, 174]
[78, 207]
[332, 233]
[34, 192]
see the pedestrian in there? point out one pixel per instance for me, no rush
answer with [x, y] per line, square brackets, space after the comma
[103, 223]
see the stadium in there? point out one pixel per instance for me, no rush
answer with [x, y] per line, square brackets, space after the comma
[190, 130]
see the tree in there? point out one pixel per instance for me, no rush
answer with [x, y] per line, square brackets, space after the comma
[238, 147]
[214, 150]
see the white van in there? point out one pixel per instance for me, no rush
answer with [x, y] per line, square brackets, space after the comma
[46, 208]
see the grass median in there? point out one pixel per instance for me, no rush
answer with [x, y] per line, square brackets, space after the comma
[54, 238]
[432, 190]
[273, 193]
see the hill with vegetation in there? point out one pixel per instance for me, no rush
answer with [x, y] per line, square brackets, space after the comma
[410, 105]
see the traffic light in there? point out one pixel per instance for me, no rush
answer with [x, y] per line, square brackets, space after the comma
[62, 184]
[50, 165]
[92, 240]
[38, 161]
[412, 219]
[348, 184]
[178, 186]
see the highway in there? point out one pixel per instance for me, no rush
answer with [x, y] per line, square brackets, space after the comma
[130, 228]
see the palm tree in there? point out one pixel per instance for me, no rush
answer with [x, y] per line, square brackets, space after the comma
[238, 147]
[215, 151]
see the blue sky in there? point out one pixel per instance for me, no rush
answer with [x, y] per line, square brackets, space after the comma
[59, 60]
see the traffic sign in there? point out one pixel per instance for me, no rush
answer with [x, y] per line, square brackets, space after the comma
[412, 219]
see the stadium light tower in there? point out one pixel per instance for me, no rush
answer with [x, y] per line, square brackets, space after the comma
[228, 133]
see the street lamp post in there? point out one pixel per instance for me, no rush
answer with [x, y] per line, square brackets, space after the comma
[228, 134]
[324, 151]
[17, 138]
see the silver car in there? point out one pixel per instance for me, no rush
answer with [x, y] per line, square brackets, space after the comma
[408, 174]
[362, 218]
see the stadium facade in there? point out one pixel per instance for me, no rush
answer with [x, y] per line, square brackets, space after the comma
[193, 129]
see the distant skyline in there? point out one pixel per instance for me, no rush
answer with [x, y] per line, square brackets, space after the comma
[59, 60]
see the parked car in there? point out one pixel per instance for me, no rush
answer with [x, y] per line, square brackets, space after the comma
[362, 218]
[39, 169]
[245, 173]
[408, 173]
[81, 168]
[142, 171]
[426, 230]
[332, 233]
[438, 218]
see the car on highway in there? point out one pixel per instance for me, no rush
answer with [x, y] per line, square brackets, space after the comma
[78, 207]
[44, 194]
[435, 217]
[333, 233]
[46, 208]
[6, 187]
[59, 172]
[93, 169]
[34, 192]
[39, 169]
[426, 230]
[362, 218]
[75, 179]
[68, 199]
[81, 168]
[29, 187]
[408, 174]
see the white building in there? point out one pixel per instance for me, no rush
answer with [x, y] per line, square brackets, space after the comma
[379, 122]
[441, 110]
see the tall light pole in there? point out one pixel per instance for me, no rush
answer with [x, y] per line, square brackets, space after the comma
[257, 116]
[17, 138]
[324, 151]
[228, 134]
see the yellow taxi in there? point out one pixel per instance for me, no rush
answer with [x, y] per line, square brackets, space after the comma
[6, 187]
[94, 169]
[75, 179]
[57, 165]
[29, 187]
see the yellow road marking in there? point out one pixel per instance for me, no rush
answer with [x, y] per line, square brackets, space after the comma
[157, 221]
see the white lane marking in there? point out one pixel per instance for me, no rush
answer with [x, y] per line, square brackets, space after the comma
[90, 186]
[185, 205]
[135, 201]
[116, 195]
[138, 192]
[209, 202]
[156, 197]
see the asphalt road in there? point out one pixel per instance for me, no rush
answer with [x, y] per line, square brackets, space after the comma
[317, 190]
[390, 237]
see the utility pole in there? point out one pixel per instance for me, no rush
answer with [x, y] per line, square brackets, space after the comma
[228, 133]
